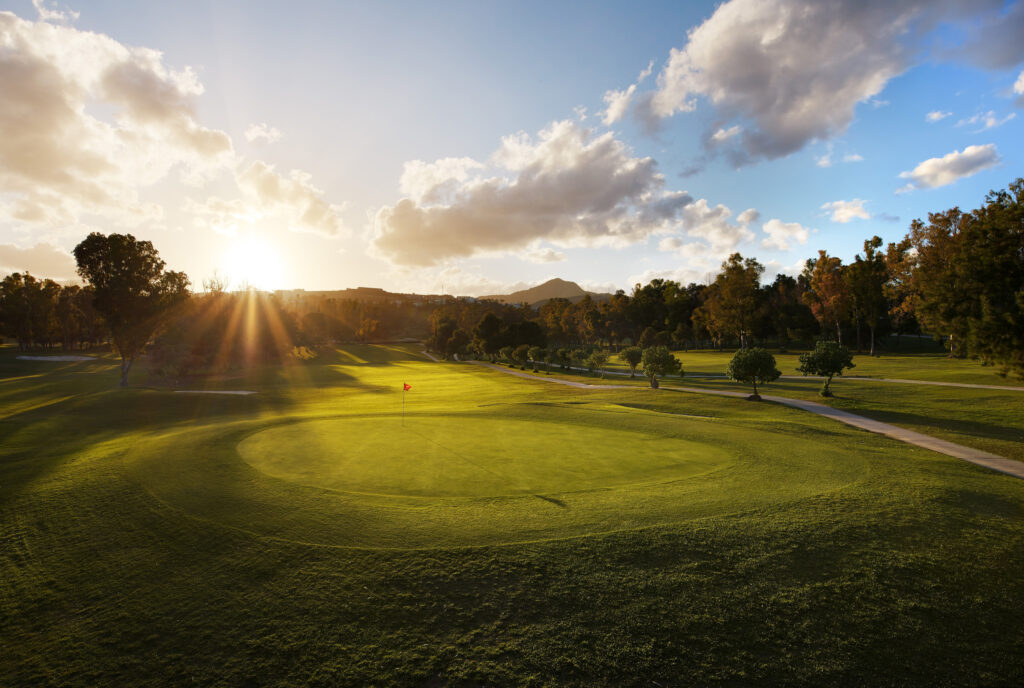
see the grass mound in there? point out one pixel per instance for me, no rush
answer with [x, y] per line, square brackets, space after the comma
[603, 538]
[470, 455]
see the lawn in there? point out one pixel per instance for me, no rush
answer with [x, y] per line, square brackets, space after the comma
[511, 532]
[988, 419]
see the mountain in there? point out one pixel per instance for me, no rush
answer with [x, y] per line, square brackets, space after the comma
[552, 289]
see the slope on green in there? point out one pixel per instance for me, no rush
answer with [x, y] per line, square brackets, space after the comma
[138, 547]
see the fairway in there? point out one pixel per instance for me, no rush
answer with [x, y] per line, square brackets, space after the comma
[470, 456]
[511, 532]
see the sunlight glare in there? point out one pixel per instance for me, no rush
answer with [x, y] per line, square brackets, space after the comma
[253, 262]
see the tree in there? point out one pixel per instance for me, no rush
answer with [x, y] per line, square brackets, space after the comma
[597, 361]
[732, 300]
[536, 353]
[521, 354]
[944, 301]
[994, 261]
[867, 278]
[132, 291]
[658, 361]
[827, 359]
[632, 355]
[753, 366]
[487, 335]
[828, 296]
[899, 286]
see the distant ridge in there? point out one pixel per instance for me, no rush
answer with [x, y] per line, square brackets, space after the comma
[542, 293]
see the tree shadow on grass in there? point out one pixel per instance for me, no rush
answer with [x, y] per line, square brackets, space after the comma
[557, 502]
[969, 427]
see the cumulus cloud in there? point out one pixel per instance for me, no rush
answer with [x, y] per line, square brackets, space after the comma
[42, 260]
[1018, 86]
[987, 120]
[936, 115]
[936, 172]
[88, 123]
[853, 157]
[824, 160]
[795, 70]
[566, 186]
[994, 41]
[431, 182]
[57, 161]
[52, 13]
[262, 132]
[617, 104]
[844, 211]
[782, 234]
[748, 217]
[723, 135]
[292, 197]
[538, 254]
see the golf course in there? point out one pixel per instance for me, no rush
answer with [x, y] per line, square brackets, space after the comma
[486, 529]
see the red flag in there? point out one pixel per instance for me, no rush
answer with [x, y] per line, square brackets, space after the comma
[406, 386]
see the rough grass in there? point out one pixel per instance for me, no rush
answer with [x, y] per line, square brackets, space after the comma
[139, 548]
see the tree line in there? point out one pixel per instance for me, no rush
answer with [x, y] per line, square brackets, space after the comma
[958, 276]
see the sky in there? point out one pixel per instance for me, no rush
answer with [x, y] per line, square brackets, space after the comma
[480, 147]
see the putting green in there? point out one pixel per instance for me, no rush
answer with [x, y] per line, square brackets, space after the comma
[470, 456]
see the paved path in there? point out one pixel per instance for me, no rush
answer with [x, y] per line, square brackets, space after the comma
[959, 451]
[862, 378]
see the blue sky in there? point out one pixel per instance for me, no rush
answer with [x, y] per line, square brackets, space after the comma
[476, 147]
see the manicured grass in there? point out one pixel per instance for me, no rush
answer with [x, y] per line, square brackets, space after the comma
[935, 367]
[992, 420]
[620, 537]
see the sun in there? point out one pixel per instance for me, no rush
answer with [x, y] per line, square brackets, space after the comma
[253, 262]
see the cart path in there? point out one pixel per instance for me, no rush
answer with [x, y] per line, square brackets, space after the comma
[861, 378]
[958, 451]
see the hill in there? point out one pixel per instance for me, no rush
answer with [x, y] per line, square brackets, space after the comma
[552, 289]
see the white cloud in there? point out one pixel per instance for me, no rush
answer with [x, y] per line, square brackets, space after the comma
[725, 134]
[853, 157]
[748, 216]
[1018, 86]
[823, 160]
[796, 70]
[936, 172]
[42, 260]
[781, 234]
[537, 254]
[646, 72]
[936, 115]
[618, 104]
[700, 271]
[566, 186]
[89, 123]
[430, 182]
[987, 120]
[262, 132]
[452, 279]
[292, 198]
[844, 211]
[48, 14]
[58, 161]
